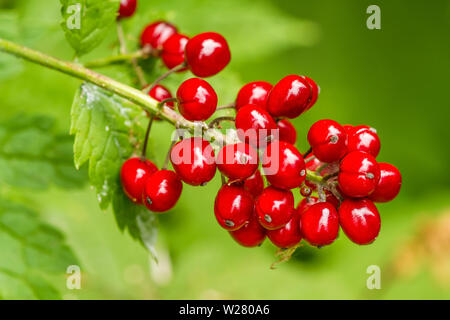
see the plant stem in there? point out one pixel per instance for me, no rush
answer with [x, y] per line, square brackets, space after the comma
[227, 106]
[307, 153]
[165, 75]
[311, 176]
[218, 120]
[120, 58]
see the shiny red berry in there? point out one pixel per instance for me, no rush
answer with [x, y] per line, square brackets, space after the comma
[358, 174]
[255, 184]
[156, 34]
[305, 191]
[320, 224]
[254, 125]
[274, 207]
[160, 93]
[252, 234]
[290, 97]
[237, 161]
[327, 139]
[286, 131]
[172, 53]
[314, 92]
[389, 184]
[127, 8]
[194, 161]
[306, 203]
[162, 191]
[364, 138]
[233, 207]
[255, 93]
[133, 175]
[288, 235]
[360, 220]
[283, 165]
[197, 100]
[207, 54]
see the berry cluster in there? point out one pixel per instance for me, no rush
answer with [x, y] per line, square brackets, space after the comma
[338, 177]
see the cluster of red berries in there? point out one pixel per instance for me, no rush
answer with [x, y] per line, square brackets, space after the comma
[340, 167]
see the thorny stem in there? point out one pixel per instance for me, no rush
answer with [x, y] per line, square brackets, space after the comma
[164, 76]
[131, 94]
[218, 120]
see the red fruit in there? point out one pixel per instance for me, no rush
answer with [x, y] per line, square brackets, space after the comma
[127, 8]
[133, 175]
[315, 92]
[305, 191]
[162, 191]
[287, 236]
[254, 125]
[312, 164]
[207, 54]
[348, 128]
[306, 203]
[274, 207]
[290, 97]
[255, 93]
[389, 184]
[283, 165]
[161, 93]
[237, 161]
[193, 160]
[287, 131]
[156, 34]
[197, 100]
[233, 207]
[172, 53]
[251, 234]
[328, 140]
[364, 138]
[358, 174]
[360, 220]
[331, 199]
[320, 224]
[255, 184]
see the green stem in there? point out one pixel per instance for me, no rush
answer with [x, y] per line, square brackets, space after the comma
[118, 59]
[311, 176]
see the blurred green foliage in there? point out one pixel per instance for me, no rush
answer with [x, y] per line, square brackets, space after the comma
[394, 79]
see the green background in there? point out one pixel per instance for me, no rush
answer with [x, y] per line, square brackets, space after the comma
[394, 79]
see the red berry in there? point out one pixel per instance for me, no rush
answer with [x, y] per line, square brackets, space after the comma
[327, 139]
[197, 100]
[314, 163]
[315, 92]
[305, 191]
[237, 161]
[320, 224]
[254, 125]
[127, 8]
[251, 234]
[133, 175]
[306, 203]
[290, 97]
[283, 165]
[207, 54]
[233, 207]
[287, 131]
[156, 34]
[274, 207]
[360, 220]
[172, 53]
[287, 236]
[162, 191]
[363, 138]
[389, 184]
[331, 199]
[255, 93]
[358, 174]
[255, 184]
[160, 93]
[193, 160]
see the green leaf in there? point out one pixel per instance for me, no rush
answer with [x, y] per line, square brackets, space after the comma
[107, 130]
[87, 22]
[30, 250]
[9, 30]
[33, 155]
